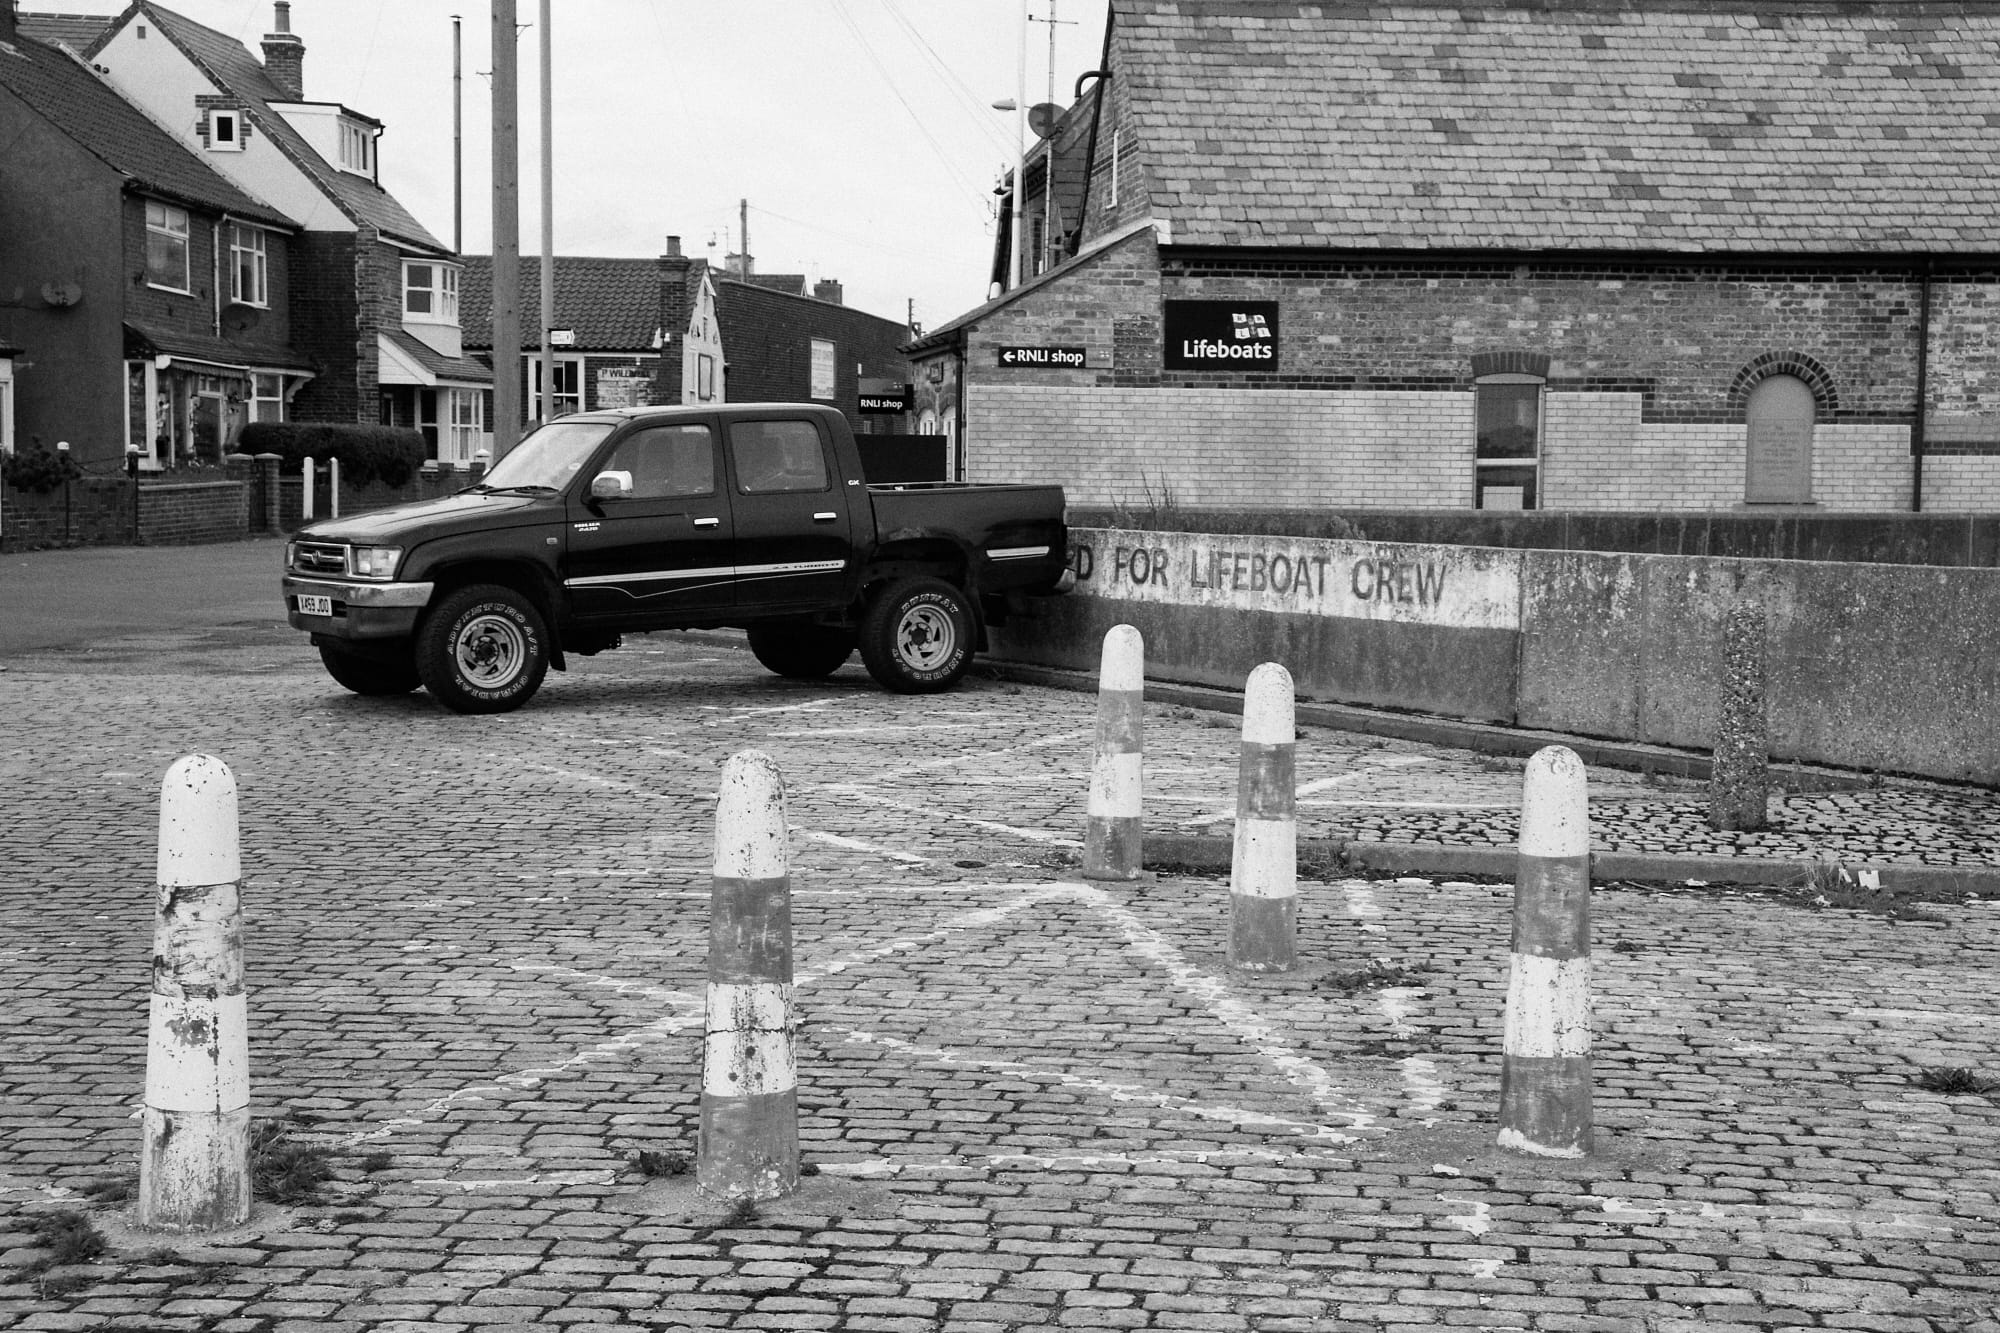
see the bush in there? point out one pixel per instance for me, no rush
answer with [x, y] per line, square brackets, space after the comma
[386, 454]
[37, 470]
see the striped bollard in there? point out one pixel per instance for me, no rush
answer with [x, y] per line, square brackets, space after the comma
[1111, 836]
[749, 1143]
[1263, 877]
[1545, 1059]
[194, 1159]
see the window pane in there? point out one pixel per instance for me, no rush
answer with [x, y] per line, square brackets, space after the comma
[777, 456]
[1508, 417]
[667, 461]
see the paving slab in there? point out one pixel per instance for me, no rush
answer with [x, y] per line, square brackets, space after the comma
[475, 953]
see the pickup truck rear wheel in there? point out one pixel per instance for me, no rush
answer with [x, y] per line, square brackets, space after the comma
[483, 649]
[368, 675]
[916, 636]
[800, 649]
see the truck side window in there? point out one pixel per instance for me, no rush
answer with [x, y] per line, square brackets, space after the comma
[666, 461]
[774, 456]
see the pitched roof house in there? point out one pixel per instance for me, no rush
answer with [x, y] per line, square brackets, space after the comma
[378, 297]
[1587, 256]
[152, 293]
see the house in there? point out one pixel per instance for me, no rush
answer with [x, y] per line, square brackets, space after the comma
[377, 301]
[1737, 255]
[677, 330]
[144, 297]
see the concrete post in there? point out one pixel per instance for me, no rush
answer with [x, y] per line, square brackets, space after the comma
[1263, 877]
[749, 1142]
[306, 470]
[333, 487]
[269, 466]
[194, 1162]
[1739, 782]
[1112, 836]
[1545, 1054]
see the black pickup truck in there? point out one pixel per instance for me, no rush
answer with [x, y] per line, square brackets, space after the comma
[608, 523]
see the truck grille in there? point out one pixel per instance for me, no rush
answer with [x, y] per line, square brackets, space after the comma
[320, 558]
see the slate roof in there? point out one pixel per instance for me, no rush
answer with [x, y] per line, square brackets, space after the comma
[612, 304]
[1712, 126]
[76, 31]
[145, 340]
[462, 368]
[120, 135]
[226, 61]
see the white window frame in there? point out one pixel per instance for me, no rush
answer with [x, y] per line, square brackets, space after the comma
[6, 404]
[160, 223]
[441, 293]
[357, 148]
[217, 141]
[568, 368]
[267, 406]
[1534, 464]
[825, 386]
[465, 425]
[248, 243]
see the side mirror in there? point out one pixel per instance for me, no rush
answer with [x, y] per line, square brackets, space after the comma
[610, 485]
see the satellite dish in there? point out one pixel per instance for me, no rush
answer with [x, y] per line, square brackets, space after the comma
[62, 293]
[1042, 118]
[238, 318]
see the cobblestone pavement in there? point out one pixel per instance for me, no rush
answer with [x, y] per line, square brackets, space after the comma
[475, 955]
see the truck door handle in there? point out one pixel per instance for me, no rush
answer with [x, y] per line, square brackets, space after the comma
[826, 517]
[707, 522]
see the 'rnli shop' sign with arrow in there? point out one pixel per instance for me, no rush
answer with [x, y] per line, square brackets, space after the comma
[1221, 335]
[1046, 358]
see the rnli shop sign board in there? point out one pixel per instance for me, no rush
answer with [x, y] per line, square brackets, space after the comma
[1452, 587]
[1046, 358]
[1221, 335]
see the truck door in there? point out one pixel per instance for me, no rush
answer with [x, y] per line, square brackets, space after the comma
[793, 518]
[663, 552]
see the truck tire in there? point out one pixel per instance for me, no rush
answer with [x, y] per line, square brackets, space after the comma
[483, 649]
[368, 675]
[916, 636]
[800, 649]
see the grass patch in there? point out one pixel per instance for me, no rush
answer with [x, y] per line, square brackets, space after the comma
[658, 1165]
[68, 1236]
[1955, 1082]
[1377, 974]
[1826, 883]
[284, 1171]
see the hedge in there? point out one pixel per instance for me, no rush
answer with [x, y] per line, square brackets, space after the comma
[37, 471]
[389, 454]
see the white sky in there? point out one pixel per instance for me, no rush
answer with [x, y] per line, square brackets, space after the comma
[860, 131]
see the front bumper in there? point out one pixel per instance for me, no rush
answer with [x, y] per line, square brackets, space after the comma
[360, 610]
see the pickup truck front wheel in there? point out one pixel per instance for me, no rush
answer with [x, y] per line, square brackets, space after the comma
[800, 649]
[916, 636]
[483, 649]
[368, 675]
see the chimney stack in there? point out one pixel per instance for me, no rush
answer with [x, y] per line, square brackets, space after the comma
[826, 289]
[7, 20]
[285, 56]
[676, 308]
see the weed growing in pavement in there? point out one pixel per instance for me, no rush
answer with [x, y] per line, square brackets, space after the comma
[377, 1161]
[1827, 883]
[1379, 974]
[1148, 512]
[654, 1165]
[68, 1236]
[1955, 1082]
[282, 1171]
[112, 1190]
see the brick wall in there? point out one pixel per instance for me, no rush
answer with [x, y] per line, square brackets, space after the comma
[1962, 484]
[188, 512]
[767, 336]
[325, 326]
[96, 512]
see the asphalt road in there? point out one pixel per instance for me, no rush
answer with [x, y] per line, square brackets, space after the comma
[69, 598]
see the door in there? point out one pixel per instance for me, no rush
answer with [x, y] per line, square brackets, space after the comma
[662, 552]
[793, 532]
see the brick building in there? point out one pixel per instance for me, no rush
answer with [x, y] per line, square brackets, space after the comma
[1674, 256]
[144, 297]
[376, 296]
[678, 330]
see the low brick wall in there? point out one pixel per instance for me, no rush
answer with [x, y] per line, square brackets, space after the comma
[1872, 667]
[92, 511]
[184, 513]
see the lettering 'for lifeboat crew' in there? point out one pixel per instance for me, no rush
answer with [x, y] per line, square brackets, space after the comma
[1456, 587]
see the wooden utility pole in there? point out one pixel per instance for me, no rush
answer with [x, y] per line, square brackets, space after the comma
[506, 421]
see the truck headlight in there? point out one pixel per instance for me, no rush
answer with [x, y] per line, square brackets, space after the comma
[374, 562]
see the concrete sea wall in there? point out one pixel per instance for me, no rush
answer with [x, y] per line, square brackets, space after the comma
[1872, 667]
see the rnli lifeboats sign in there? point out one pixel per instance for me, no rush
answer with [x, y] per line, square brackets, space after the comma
[1450, 587]
[1220, 335]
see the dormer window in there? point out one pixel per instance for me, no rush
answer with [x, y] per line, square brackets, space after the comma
[225, 131]
[430, 293]
[357, 148]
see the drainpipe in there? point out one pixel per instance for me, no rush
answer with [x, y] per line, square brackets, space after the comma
[1923, 390]
[215, 276]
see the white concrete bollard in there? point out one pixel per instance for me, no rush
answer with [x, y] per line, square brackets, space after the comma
[1264, 868]
[1112, 833]
[1545, 1106]
[749, 1141]
[194, 1162]
[306, 495]
[333, 487]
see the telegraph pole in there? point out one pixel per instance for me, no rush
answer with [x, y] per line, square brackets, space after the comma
[549, 229]
[506, 421]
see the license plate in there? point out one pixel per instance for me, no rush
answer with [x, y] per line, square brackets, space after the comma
[310, 605]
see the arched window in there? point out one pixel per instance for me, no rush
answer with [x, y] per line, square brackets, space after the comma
[1778, 454]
